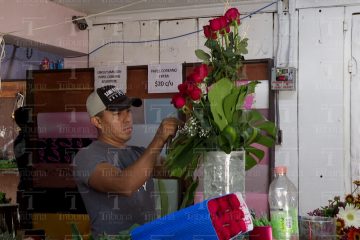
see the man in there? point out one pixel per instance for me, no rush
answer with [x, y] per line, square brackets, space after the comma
[22, 117]
[114, 179]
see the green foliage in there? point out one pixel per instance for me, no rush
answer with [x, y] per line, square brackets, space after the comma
[261, 221]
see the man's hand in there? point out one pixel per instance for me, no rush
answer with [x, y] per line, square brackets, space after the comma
[167, 129]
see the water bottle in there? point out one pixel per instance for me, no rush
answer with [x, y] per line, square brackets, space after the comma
[283, 201]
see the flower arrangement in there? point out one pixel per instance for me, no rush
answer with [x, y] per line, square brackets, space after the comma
[217, 104]
[346, 212]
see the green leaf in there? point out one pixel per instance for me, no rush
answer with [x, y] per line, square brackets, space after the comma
[230, 104]
[218, 92]
[268, 127]
[250, 161]
[75, 234]
[250, 135]
[202, 55]
[255, 152]
[189, 195]
[265, 141]
[181, 154]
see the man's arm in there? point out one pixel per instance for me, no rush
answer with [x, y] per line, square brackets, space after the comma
[108, 178]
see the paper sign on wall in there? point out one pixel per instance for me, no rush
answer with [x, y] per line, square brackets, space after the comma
[111, 75]
[164, 78]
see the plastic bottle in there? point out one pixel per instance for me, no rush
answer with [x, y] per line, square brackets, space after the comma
[283, 201]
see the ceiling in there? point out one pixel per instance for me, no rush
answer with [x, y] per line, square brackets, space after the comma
[98, 6]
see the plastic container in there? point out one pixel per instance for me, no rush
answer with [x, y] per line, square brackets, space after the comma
[283, 201]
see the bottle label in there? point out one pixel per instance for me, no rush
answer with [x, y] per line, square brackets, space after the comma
[284, 223]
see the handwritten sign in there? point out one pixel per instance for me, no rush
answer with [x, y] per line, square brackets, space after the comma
[111, 75]
[164, 78]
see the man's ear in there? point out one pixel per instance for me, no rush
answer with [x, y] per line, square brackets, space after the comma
[96, 121]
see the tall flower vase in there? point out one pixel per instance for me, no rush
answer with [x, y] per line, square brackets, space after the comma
[223, 173]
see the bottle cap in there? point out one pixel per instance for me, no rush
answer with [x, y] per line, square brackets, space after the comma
[280, 169]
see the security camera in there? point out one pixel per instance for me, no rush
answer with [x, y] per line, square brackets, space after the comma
[80, 22]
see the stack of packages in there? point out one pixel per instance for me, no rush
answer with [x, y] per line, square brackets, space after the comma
[221, 218]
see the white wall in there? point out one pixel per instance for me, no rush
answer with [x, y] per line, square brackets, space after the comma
[43, 25]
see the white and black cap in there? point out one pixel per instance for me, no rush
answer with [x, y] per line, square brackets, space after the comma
[109, 98]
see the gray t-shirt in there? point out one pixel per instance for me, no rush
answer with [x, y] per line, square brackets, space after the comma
[112, 213]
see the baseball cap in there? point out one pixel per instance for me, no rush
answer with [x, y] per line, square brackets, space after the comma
[109, 98]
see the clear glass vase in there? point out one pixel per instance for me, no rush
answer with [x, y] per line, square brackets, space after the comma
[223, 173]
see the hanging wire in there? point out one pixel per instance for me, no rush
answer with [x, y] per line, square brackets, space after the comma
[163, 39]
[123, 42]
[71, 20]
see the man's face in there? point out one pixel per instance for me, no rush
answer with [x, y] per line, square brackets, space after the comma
[117, 125]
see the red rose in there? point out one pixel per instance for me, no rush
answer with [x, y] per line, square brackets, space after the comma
[226, 218]
[235, 228]
[237, 215]
[226, 29]
[213, 207]
[178, 100]
[218, 225]
[195, 94]
[226, 233]
[182, 88]
[224, 204]
[242, 226]
[223, 22]
[202, 70]
[195, 77]
[190, 85]
[215, 24]
[232, 14]
[234, 201]
[207, 31]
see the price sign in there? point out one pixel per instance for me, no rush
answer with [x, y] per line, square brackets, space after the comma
[164, 78]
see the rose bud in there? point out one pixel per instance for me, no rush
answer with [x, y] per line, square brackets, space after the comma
[195, 94]
[215, 24]
[232, 14]
[178, 100]
[207, 31]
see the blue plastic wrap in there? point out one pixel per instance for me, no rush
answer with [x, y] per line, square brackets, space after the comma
[228, 216]
[195, 220]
